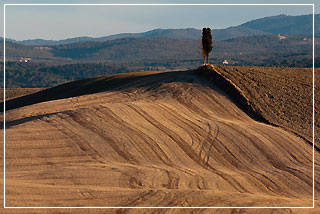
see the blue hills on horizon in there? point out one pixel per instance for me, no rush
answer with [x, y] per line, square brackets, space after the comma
[280, 24]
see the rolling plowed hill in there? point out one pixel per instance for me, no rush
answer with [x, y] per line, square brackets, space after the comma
[150, 139]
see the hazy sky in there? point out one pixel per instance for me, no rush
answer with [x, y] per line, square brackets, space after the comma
[61, 22]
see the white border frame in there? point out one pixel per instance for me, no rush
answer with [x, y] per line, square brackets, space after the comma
[4, 106]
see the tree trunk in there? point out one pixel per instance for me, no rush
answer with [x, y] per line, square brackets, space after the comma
[208, 59]
[204, 61]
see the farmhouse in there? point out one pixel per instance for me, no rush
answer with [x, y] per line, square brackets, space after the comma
[22, 59]
[281, 37]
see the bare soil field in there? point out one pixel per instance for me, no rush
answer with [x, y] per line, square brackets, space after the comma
[169, 139]
[283, 96]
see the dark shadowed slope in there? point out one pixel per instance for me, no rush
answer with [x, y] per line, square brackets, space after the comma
[101, 84]
[283, 96]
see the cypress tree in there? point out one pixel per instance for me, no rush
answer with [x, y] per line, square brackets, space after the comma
[206, 43]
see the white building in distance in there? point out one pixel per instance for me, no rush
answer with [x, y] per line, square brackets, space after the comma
[225, 62]
[22, 59]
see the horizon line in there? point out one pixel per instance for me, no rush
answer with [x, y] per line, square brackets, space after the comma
[97, 37]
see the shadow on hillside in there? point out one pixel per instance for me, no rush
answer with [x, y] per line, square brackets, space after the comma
[12, 123]
[100, 84]
[128, 81]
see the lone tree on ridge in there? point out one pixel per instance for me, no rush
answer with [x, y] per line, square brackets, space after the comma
[206, 44]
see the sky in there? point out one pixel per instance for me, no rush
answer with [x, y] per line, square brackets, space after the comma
[61, 22]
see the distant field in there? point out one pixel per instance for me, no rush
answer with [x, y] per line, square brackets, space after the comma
[17, 92]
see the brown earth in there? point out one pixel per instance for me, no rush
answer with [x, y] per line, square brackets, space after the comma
[12, 93]
[150, 139]
[283, 96]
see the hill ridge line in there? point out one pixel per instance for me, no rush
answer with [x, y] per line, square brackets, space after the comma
[212, 74]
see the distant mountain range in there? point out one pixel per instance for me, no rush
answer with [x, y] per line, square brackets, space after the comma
[281, 24]
[156, 48]
[286, 25]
